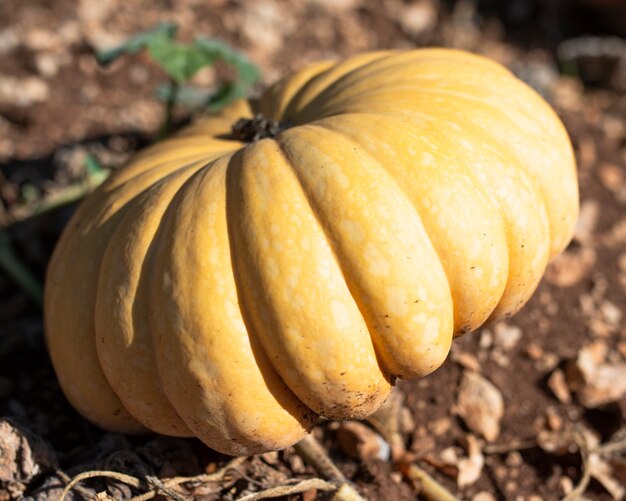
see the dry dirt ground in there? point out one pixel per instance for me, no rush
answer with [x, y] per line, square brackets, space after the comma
[523, 410]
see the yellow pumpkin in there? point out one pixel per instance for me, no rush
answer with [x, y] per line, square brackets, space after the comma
[235, 292]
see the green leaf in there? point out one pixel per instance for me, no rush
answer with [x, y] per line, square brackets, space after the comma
[181, 62]
[92, 165]
[140, 41]
[247, 72]
[96, 173]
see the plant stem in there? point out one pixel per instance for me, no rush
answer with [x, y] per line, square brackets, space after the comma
[14, 268]
[60, 198]
[168, 120]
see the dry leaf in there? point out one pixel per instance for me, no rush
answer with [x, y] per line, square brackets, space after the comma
[603, 473]
[471, 468]
[480, 405]
[595, 381]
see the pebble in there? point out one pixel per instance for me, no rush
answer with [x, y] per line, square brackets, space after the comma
[534, 351]
[23, 91]
[506, 336]
[558, 386]
[483, 496]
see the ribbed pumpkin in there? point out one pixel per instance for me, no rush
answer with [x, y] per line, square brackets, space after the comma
[236, 291]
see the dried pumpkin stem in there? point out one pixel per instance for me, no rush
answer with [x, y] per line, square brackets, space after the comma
[253, 129]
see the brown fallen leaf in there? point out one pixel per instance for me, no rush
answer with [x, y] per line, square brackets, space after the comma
[480, 405]
[595, 381]
[471, 467]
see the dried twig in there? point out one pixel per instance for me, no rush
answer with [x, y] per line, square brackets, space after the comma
[425, 485]
[314, 454]
[581, 487]
[155, 485]
[286, 490]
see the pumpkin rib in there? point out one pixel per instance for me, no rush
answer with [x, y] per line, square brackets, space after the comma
[529, 262]
[280, 250]
[211, 366]
[559, 230]
[71, 340]
[319, 83]
[123, 341]
[275, 99]
[137, 168]
[395, 295]
[437, 206]
[383, 68]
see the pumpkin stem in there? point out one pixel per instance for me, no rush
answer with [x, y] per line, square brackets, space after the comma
[252, 129]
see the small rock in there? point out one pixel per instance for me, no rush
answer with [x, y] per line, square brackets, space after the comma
[23, 91]
[506, 336]
[556, 383]
[466, 360]
[440, 426]
[549, 361]
[554, 421]
[611, 313]
[38, 40]
[23, 456]
[514, 459]
[47, 64]
[587, 220]
[534, 351]
[486, 339]
[483, 496]
[418, 18]
[569, 267]
[611, 176]
[480, 405]
[360, 442]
